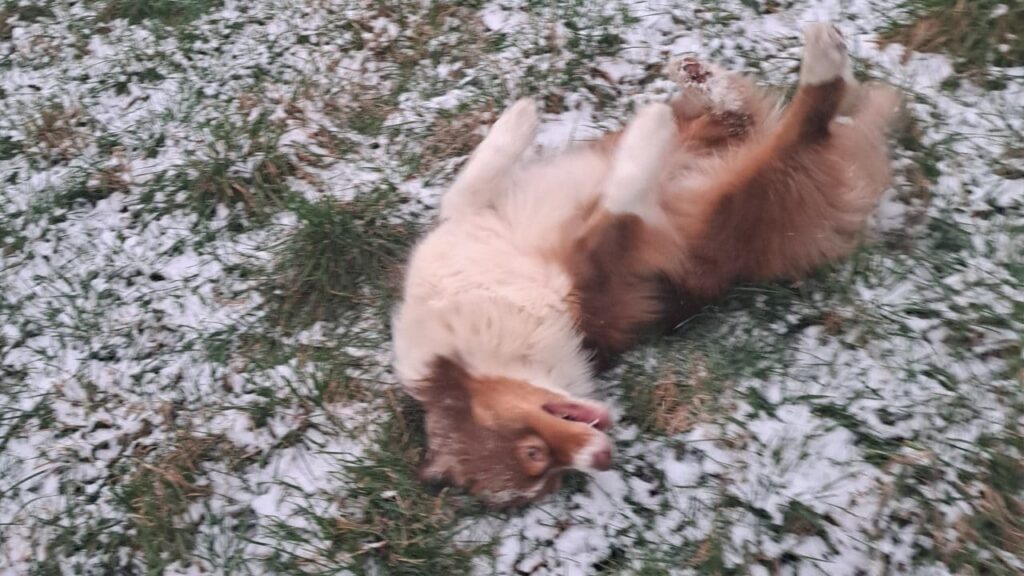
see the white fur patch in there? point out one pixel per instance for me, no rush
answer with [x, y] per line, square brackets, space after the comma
[722, 93]
[713, 82]
[825, 57]
[472, 293]
[480, 182]
[584, 459]
[633, 184]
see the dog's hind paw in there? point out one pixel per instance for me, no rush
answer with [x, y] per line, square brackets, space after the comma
[709, 85]
[825, 58]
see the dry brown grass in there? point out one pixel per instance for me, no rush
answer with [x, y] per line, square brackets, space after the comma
[158, 492]
[995, 526]
[967, 30]
[110, 179]
[453, 136]
[59, 132]
[169, 12]
[407, 51]
[1006, 513]
[25, 14]
[678, 405]
[918, 176]
[218, 181]
[166, 485]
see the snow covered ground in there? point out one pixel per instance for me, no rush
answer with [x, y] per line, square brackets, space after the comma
[164, 409]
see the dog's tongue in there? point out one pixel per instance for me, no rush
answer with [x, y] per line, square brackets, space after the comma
[585, 413]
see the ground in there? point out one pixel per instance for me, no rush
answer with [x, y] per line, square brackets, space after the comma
[205, 209]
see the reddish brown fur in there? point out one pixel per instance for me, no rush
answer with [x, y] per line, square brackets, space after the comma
[785, 204]
[483, 430]
[774, 197]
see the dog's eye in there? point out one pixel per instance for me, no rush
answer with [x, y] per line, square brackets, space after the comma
[533, 455]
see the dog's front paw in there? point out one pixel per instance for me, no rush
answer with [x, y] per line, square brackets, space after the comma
[825, 57]
[516, 128]
[632, 185]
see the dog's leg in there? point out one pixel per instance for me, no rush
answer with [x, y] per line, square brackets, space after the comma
[483, 177]
[805, 123]
[825, 77]
[632, 187]
[611, 276]
[789, 201]
[777, 206]
[825, 57]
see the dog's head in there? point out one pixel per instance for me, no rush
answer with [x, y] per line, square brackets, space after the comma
[506, 441]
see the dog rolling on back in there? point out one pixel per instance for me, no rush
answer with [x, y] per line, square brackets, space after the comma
[541, 272]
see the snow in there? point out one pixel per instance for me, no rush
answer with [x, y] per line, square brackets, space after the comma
[111, 311]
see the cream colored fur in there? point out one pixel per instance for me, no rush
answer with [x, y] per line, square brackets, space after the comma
[479, 287]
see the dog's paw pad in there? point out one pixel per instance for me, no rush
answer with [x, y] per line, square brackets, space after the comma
[687, 70]
[825, 57]
[711, 85]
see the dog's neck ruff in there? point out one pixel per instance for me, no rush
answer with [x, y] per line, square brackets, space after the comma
[474, 296]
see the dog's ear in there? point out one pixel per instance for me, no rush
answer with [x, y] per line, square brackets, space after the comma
[435, 468]
[446, 406]
[443, 381]
[447, 372]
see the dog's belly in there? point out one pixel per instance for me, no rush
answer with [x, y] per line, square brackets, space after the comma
[472, 293]
[547, 201]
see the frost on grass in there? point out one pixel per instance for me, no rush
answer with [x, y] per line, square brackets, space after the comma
[167, 184]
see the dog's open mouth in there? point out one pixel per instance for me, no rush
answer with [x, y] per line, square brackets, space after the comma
[593, 416]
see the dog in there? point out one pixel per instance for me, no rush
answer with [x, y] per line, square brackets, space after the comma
[539, 273]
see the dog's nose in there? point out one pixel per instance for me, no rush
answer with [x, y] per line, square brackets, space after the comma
[602, 460]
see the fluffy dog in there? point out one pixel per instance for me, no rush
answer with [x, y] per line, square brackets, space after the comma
[541, 272]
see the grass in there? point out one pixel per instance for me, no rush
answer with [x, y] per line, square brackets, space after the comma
[451, 135]
[81, 191]
[696, 370]
[339, 376]
[9, 148]
[991, 529]
[399, 526]
[392, 523]
[978, 34]
[89, 189]
[678, 394]
[996, 525]
[423, 31]
[590, 31]
[29, 13]
[158, 494]
[342, 254]
[155, 491]
[167, 12]
[242, 167]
